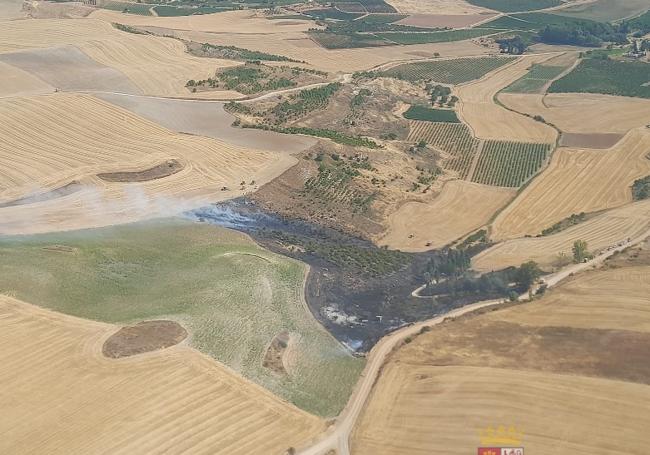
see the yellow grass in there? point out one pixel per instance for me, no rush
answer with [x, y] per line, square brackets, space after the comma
[577, 181]
[436, 7]
[600, 232]
[460, 208]
[49, 141]
[158, 66]
[583, 112]
[610, 299]
[420, 409]
[491, 121]
[16, 82]
[61, 396]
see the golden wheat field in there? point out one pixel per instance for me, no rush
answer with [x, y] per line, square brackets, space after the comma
[487, 119]
[577, 180]
[460, 208]
[419, 409]
[610, 299]
[583, 112]
[53, 140]
[437, 7]
[16, 82]
[600, 232]
[157, 66]
[170, 401]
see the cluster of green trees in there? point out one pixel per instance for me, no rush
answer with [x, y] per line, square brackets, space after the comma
[641, 189]
[515, 45]
[587, 33]
[572, 220]
[304, 102]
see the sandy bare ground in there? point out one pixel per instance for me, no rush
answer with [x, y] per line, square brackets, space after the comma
[67, 68]
[491, 121]
[460, 208]
[54, 10]
[600, 232]
[11, 9]
[418, 409]
[207, 119]
[171, 401]
[436, 7]
[156, 66]
[583, 112]
[577, 180]
[49, 141]
[610, 299]
[16, 82]
[444, 20]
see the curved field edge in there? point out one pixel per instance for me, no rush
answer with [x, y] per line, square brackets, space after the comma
[160, 402]
[232, 296]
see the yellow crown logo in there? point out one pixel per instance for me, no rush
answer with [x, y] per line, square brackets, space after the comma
[500, 436]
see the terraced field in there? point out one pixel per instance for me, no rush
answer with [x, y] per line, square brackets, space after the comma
[455, 139]
[86, 136]
[600, 232]
[454, 71]
[232, 296]
[577, 181]
[509, 164]
[163, 402]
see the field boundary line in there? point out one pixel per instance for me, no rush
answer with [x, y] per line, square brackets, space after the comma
[477, 154]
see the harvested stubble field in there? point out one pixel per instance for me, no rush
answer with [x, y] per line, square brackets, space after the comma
[585, 112]
[577, 180]
[86, 136]
[600, 232]
[488, 120]
[461, 7]
[232, 296]
[16, 82]
[442, 20]
[170, 401]
[157, 66]
[454, 71]
[460, 208]
[563, 371]
[605, 10]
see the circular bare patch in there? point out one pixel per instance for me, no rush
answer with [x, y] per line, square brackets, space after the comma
[145, 336]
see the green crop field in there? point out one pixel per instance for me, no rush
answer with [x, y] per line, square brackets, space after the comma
[510, 6]
[454, 139]
[434, 37]
[511, 164]
[535, 80]
[609, 77]
[132, 8]
[530, 21]
[231, 295]
[454, 71]
[431, 115]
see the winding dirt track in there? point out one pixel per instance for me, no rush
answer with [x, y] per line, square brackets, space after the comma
[339, 435]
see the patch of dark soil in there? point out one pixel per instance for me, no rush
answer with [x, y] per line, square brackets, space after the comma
[170, 167]
[358, 291]
[274, 357]
[143, 337]
[482, 341]
[590, 140]
[65, 190]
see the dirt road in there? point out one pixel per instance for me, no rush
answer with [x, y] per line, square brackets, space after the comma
[338, 436]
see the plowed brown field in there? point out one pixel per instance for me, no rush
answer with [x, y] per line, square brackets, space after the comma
[50, 141]
[577, 180]
[60, 395]
[460, 208]
[488, 120]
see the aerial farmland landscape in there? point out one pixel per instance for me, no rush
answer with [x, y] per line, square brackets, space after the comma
[343, 227]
